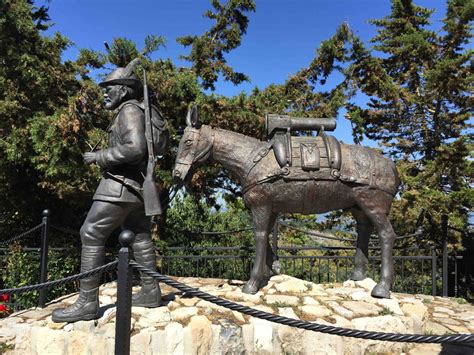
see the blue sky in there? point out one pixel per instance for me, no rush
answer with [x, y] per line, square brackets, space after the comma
[282, 36]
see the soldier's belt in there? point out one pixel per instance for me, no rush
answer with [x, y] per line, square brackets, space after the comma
[135, 186]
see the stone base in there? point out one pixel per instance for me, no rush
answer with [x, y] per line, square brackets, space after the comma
[193, 326]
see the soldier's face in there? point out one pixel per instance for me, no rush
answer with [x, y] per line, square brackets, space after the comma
[113, 95]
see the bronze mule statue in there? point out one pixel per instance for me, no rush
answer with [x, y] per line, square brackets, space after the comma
[317, 175]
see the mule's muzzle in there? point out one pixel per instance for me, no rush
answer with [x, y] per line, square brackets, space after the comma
[180, 171]
[177, 175]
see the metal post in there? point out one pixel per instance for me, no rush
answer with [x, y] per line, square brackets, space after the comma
[276, 266]
[275, 241]
[455, 276]
[44, 258]
[124, 295]
[433, 271]
[444, 232]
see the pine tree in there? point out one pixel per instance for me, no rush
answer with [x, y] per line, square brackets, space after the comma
[419, 84]
[208, 50]
[43, 117]
[423, 119]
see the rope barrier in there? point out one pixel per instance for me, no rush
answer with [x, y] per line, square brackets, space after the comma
[361, 334]
[110, 266]
[328, 236]
[315, 233]
[20, 236]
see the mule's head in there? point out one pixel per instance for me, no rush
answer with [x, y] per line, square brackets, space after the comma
[194, 147]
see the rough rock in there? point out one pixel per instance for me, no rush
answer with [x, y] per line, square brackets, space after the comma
[183, 313]
[361, 309]
[391, 304]
[380, 324]
[198, 336]
[292, 286]
[262, 336]
[367, 284]
[287, 312]
[359, 295]
[308, 301]
[418, 310]
[336, 307]
[314, 312]
[190, 325]
[230, 338]
[282, 300]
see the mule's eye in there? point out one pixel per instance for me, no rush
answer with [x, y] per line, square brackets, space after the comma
[188, 142]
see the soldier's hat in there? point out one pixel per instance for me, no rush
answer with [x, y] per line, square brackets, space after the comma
[123, 76]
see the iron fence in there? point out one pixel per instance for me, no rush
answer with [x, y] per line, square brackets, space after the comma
[126, 265]
[427, 272]
[416, 274]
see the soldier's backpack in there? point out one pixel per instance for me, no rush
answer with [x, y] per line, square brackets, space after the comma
[160, 132]
[159, 129]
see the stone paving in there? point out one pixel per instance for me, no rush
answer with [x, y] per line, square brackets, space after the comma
[192, 326]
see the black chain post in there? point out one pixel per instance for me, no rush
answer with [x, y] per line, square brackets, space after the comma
[434, 270]
[124, 294]
[444, 232]
[44, 258]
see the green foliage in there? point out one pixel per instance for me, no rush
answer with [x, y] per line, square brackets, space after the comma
[21, 268]
[4, 347]
[123, 50]
[418, 82]
[386, 312]
[191, 214]
[44, 109]
[208, 50]
[461, 300]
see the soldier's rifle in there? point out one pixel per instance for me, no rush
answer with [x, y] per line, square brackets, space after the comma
[150, 192]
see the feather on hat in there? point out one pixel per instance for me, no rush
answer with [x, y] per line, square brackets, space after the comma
[123, 76]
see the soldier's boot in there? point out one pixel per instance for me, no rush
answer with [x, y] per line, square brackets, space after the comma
[87, 305]
[149, 295]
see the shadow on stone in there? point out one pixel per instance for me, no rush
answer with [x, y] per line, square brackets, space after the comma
[103, 309]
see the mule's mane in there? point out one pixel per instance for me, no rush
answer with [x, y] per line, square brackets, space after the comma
[238, 136]
[234, 150]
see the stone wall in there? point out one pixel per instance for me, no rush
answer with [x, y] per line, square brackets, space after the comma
[193, 326]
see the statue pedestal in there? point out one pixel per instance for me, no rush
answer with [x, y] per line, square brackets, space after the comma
[190, 325]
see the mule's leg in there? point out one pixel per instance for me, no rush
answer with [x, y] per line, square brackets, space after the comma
[263, 220]
[361, 259]
[273, 264]
[376, 205]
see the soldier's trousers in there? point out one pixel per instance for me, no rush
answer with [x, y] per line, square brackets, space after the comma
[103, 218]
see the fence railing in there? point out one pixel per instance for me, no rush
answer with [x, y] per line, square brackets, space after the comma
[126, 266]
[310, 262]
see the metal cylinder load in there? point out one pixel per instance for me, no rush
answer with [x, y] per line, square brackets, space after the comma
[281, 123]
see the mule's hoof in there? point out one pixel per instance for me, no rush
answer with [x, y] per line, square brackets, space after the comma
[381, 291]
[250, 288]
[276, 268]
[357, 276]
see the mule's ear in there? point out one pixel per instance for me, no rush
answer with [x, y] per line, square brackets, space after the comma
[188, 118]
[192, 117]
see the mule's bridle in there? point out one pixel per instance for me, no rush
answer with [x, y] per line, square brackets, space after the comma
[202, 135]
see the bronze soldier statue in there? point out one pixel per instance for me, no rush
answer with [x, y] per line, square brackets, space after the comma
[118, 201]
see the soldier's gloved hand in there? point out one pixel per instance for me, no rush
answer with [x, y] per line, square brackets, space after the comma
[90, 157]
